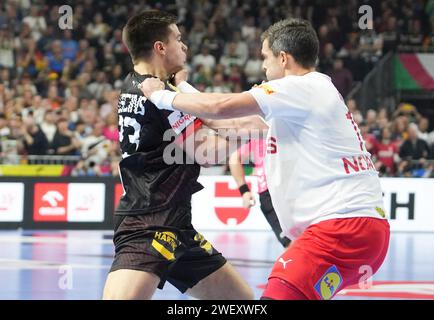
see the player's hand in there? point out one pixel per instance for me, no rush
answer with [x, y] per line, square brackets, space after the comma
[150, 85]
[181, 76]
[248, 200]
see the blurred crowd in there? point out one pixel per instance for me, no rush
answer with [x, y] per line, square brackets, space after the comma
[401, 144]
[59, 88]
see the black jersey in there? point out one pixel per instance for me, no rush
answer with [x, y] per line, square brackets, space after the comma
[149, 183]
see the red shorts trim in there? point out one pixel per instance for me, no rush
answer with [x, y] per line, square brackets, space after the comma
[331, 255]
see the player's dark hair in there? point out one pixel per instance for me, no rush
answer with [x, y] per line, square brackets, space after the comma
[143, 29]
[296, 37]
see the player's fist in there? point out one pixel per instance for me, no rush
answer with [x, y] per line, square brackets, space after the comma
[150, 85]
[248, 200]
[181, 76]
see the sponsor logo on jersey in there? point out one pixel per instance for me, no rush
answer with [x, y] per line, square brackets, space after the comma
[204, 244]
[329, 283]
[165, 243]
[267, 89]
[358, 163]
[179, 121]
[380, 212]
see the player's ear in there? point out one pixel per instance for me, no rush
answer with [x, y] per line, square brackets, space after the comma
[159, 47]
[283, 58]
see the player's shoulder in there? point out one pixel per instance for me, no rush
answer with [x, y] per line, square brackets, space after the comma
[131, 82]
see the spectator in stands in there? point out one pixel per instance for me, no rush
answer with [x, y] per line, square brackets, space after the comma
[55, 58]
[110, 130]
[99, 86]
[110, 105]
[327, 59]
[371, 121]
[205, 59]
[400, 129]
[213, 42]
[5, 131]
[390, 35]
[218, 85]
[69, 45]
[407, 110]
[386, 153]
[64, 142]
[422, 128]
[414, 148]
[7, 53]
[231, 57]
[242, 49]
[116, 77]
[370, 140]
[36, 22]
[253, 68]
[53, 100]
[48, 126]
[98, 30]
[5, 78]
[341, 77]
[371, 44]
[35, 141]
[248, 30]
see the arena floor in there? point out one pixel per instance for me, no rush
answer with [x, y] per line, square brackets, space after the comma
[68, 265]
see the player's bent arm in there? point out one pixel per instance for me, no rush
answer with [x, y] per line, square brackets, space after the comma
[249, 122]
[202, 105]
[217, 105]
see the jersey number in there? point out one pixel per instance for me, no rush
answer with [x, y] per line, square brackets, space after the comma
[125, 122]
[356, 128]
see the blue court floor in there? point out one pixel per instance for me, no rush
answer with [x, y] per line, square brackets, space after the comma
[74, 264]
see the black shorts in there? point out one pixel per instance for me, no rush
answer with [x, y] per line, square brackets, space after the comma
[166, 244]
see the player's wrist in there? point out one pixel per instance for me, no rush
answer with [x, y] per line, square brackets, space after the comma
[185, 87]
[243, 189]
[163, 99]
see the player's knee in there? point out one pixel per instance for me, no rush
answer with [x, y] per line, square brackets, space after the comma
[245, 293]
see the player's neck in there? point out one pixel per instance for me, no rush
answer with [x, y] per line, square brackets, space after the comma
[298, 71]
[153, 69]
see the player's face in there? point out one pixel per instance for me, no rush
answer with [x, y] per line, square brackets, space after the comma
[176, 51]
[271, 64]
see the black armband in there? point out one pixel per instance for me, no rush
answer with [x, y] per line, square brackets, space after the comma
[243, 189]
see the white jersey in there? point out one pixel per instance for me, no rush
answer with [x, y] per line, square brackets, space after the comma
[317, 166]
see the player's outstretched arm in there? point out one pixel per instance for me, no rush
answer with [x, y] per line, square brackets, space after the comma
[246, 123]
[202, 105]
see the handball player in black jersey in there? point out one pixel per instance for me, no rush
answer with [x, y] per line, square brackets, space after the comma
[154, 239]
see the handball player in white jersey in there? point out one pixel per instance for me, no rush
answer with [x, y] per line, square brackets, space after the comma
[323, 184]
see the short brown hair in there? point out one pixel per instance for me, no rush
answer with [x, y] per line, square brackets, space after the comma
[143, 29]
[296, 37]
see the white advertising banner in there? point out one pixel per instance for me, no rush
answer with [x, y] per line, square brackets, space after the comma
[86, 202]
[11, 201]
[219, 206]
[409, 204]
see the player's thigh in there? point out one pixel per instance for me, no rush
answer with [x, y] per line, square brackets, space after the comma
[125, 284]
[224, 283]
